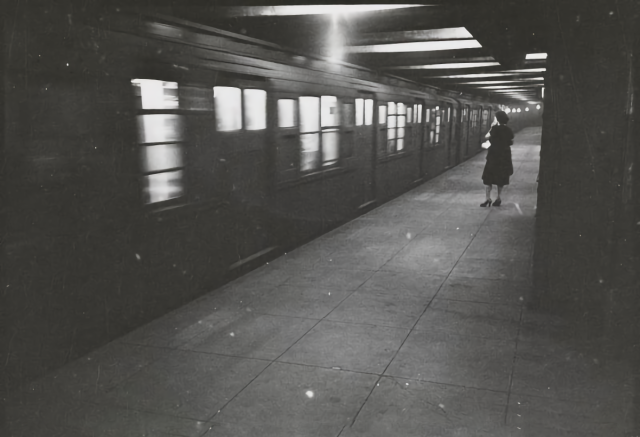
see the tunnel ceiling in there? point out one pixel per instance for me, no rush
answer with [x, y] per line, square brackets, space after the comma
[475, 46]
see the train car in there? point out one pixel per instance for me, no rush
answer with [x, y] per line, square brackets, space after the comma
[167, 158]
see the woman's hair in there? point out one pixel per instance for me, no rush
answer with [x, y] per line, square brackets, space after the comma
[502, 117]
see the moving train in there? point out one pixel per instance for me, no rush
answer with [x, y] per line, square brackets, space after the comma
[154, 159]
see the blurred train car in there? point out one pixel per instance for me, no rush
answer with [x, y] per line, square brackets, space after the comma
[152, 159]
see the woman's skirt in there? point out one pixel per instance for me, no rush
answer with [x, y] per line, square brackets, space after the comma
[496, 172]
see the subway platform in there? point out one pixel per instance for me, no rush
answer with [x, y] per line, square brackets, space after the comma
[412, 320]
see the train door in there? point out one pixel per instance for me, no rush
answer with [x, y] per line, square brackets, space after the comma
[484, 126]
[286, 134]
[455, 143]
[417, 133]
[464, 126]
[364, 146]
[474, 136]
[446, 132]
[240, 136]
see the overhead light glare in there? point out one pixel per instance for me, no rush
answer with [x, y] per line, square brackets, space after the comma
[497, 74]
[498, 87]
[423, 46]
[265, 11]
[446, 66]
[489, 82]
[527, 70]
[536, 56]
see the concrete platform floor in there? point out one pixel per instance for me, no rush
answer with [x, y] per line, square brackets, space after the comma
[409, 321]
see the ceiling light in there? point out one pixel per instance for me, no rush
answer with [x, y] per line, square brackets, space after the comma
[498, 87]
[536, 56]
[489, 82]
[443, 66]
[263, 11]
[497, 74]
[423, 46]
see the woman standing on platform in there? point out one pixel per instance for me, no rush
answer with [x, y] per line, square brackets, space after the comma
[499, 166]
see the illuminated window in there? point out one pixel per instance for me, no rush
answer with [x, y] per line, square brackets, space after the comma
[359, 112]
[448, 114]
[309, 133]
[438, 122]
[228, 105]
[368, 112]
[255, 109]
[396, 121]
[402, 121]
[227, 102]
[382, 114]
[160, 138]
[392, 120]
[330, 122]
[156, 94]
[419, 113]
[160, 157]
[409, 115]
[319, 132]
[428, 115]
[485, 118]
[287, 113]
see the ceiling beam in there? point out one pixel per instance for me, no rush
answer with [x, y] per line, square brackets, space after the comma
[411, 36]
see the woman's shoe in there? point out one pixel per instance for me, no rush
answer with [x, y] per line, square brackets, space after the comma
[498, 202]
[485, 204]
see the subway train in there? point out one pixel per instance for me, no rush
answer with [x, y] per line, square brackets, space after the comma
[152, 159]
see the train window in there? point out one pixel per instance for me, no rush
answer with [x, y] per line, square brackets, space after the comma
[319, 132]
[382, 114]
[287, 113]
[368, 112]
[330, 122]
[309, 132]
[402, 119]
[309, 114]
[255, 109]
[409, 114]
[359, 112]
[159, 128]
[428, 115]
[161, 157]
[160, 137]
[156, 94]
[227, 102]
[163, 186]
[438, 121]
[419, 113]
[349, 115]
[330, 147]
[391, 129]
[329, 113]
[448, 114]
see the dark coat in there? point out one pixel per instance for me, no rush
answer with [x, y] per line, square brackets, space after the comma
[499, 165]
